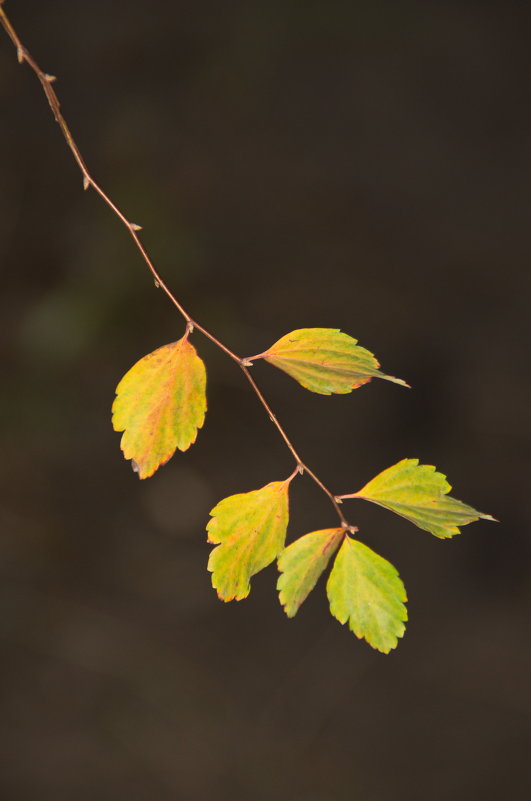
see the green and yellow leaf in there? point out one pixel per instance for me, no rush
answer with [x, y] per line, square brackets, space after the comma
[160, 404]
[366, 590]
[419, 493]
[301, 564]
[325, 360]
[249, 531]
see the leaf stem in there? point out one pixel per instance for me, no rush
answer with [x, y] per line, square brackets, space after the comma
[46, 82]
[301, 465]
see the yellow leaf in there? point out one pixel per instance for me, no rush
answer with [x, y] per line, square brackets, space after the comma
[160, 404]
[301, 564]
[325, 360]
[420, 494]
[249, 530]
[366, 590]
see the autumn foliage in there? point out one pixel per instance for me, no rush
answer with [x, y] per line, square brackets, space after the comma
[160, 405]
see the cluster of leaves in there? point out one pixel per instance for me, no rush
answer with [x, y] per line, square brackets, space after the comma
[160, 405]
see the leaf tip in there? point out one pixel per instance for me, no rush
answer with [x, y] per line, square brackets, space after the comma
[232, 595]
[289, 611]
[398, 381]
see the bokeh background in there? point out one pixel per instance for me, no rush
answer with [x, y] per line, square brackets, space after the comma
[347, 164]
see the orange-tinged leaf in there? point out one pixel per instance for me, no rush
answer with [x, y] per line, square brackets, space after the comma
[325, 360]
[420, 494]
[160, 404]
[301, 564]
[249, 530]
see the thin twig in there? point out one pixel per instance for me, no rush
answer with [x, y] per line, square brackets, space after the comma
[46, 81]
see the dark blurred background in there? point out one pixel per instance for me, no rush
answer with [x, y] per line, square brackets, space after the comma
[346, 164]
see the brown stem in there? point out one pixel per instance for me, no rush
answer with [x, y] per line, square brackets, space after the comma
[46, 81]
[302, 466]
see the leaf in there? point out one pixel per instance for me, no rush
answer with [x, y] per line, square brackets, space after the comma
[301, 564]
[418, 493]
[160, 404]
[249, 530]
[366, 590]
[324, 360]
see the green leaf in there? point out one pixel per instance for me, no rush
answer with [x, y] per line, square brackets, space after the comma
[324, 360]
[160, 404]
[366, 590]
[418, 493]
[249, 530]
[301, 564]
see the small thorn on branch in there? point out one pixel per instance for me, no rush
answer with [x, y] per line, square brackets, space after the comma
[246, 363]
[20, 54]
[86, 182]
[189, 327]
[50, 78]
[157, 284]
[337, 499]
[135, 227]
[300, 468]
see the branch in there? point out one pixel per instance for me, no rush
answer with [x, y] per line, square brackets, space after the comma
[46, 81]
